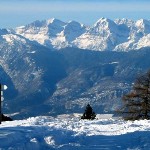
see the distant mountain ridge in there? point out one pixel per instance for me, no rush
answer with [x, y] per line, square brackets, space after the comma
[104, 35]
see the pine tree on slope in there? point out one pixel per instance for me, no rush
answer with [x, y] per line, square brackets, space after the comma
[137, 102]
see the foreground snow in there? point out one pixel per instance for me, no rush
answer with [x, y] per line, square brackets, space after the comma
[68, 132]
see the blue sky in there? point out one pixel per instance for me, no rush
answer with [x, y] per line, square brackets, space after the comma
[15, 13]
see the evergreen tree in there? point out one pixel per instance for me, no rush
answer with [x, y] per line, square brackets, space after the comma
[137, 102]
[89, 113]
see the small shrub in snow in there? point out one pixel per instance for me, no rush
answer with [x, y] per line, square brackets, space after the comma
[5, 118]
[89, 113]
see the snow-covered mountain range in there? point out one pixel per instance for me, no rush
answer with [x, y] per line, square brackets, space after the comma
[104, 35]
[44, 81]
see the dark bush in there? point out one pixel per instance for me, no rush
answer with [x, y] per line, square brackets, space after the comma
[5, 118]
[89, 113]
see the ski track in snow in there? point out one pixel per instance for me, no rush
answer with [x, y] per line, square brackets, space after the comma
[68, 132]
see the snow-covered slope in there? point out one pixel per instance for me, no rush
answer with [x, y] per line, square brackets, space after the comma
[104, 35]
[71, 133]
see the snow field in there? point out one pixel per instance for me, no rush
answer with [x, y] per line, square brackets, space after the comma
[68, 132]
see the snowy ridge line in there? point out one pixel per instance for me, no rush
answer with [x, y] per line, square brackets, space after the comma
[104, 35]
[68, 132]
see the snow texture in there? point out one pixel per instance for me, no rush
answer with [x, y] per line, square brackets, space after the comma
[71, 133]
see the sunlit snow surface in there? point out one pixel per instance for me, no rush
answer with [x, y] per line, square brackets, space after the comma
[68, 132]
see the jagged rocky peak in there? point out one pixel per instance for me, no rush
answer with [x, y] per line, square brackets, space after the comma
[142, 22]
[103, 26]
[105, 23]
[38, 26]
[36, 23]
[124, 21]
[55, 21]
[54, 26]
[4, 31]
[143, 25]
[73, 25]
[31, 28]
[45, 23]
[72, 30]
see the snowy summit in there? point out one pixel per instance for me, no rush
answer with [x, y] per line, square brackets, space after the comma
[104, 35]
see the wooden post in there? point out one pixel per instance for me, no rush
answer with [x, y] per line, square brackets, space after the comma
[0, 105]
